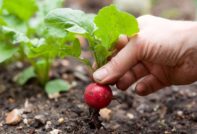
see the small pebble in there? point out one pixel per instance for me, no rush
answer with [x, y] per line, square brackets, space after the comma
[130, 115]
[180, 113]
[54, 96]
[41, 118]
[61, 120]
[1, 124]
[105, 113]
[14, 117]
[48, 125]
[19, 128]
[167, 132]
[28, 122]
[28, 107]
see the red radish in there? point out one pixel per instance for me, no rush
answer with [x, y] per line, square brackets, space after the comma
[97, 96]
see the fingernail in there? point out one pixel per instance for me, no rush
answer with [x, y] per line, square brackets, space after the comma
[100, 74]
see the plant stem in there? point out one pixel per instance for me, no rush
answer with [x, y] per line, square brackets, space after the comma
[42, 68]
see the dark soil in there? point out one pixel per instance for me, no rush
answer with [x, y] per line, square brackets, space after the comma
[172, 110]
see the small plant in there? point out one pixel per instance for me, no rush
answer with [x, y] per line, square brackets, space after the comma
[102, 31]
[24, 37]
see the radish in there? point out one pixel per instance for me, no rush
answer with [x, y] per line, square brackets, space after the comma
[97, 96]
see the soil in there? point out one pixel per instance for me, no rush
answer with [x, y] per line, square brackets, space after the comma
[172, 110]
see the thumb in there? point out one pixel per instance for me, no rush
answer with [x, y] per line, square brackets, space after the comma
[118, 65]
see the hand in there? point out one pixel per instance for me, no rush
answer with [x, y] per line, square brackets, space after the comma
[163, 53]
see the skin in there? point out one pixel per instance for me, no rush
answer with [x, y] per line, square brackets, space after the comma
[163, 53]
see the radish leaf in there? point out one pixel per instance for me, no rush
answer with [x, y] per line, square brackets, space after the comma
[6, 52]
[111, 23]
[25, 75]
[56, 86]
[71, 20]
[23, 9]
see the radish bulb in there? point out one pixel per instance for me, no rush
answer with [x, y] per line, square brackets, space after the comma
[97, 96]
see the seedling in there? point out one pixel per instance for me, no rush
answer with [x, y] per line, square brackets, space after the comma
[102, 31]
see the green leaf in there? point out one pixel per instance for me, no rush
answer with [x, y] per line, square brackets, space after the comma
[6, 52]
[101, 55]
[37, 22]
[56, 86]
[2, 21]
[1, 3]
[71, 20]
[12, 36]
[15, 23]
[24, 9]
[73, 50]
[25, 75]
[53, 32]
[54, 50]
[76, 48]
[112, 22]
[33, 48]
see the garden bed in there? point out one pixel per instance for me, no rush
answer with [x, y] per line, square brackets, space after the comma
[172, 110]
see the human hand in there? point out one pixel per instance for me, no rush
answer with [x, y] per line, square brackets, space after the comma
[163, 53]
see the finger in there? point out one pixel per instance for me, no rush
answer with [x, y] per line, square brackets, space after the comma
[139, 71]
[125, 82]
[148, 85]
[119, 65]
[122, 41]
[136, 73]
